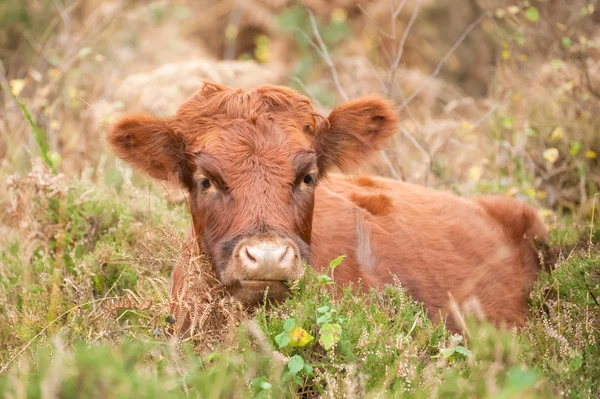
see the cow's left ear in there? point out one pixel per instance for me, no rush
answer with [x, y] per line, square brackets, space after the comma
[356, 130]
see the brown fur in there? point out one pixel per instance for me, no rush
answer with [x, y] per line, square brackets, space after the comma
[257, 149]
[376, 204]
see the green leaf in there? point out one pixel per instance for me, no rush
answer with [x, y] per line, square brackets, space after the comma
[296, 364]
[532, 14]
[336, 262]
[447, 352]
[576, 362]
[308, 369]
[330, 335]
[518, 381]
[575, 147]
[323, 309]
[289, 324]
[84, 52]
[40, 137]
[260, 383]
[282, 339]
[463, 351]
[556, 63]
[531, 132]
[566, 42]
[324, 279]
[508, 122]
[457, 338]
[325, 318]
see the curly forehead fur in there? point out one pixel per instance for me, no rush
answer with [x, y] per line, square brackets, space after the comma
[216, 106]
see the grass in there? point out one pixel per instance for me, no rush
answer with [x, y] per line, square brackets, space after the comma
[84, 278]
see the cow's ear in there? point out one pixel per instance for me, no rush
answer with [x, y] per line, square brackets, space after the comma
[356, 130]
[151, 145]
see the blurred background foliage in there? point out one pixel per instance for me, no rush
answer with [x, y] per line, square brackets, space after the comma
[495, 96]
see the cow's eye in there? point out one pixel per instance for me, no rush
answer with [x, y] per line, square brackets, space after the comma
[205, 183]
[309, 179]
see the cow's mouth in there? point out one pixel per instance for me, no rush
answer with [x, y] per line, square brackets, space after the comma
[255, 292]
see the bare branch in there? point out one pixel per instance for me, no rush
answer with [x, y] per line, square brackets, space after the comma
[390, 165]
[400, 51]
[379, 30]
[326, 57]
[322, 50]
[310, 41]
[301, 84]
[423, 151]
[405, 34]
[398, 9]
[443, 61]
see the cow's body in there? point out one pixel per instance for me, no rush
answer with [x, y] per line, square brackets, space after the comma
[256, 167]
[434, 242]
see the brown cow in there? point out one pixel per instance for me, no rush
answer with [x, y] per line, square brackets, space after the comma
[255, 165]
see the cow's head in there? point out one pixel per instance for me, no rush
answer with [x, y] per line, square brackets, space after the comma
[250, 162]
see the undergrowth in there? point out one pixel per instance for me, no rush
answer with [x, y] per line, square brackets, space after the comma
[84, 280]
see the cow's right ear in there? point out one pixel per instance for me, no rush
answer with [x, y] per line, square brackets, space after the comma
[149, 144]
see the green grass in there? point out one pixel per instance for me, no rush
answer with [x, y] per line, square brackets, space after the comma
[68, 249]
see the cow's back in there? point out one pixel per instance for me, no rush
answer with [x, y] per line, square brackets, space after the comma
[436, 243]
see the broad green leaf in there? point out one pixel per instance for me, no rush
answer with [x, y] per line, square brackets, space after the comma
[308, 369]
[463, 351]
[330, 335]
[566, 42]
[289, 324]
[260, 383]
[296, 364]
[532, 14]
[282, 339]
[336, 262]
[447, 352]
[518, 381]
[325, 318]
[323, 309]
[299, 337]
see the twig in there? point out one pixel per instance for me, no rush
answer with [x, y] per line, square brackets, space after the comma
[379, 30]
[487, 114]
[419, 147]
[400, 51]
[586, 71]
[443, 61]
[303, 86]
[326, 57]
[336, 80]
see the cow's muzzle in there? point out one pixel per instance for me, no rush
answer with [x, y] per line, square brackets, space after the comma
[262, 264]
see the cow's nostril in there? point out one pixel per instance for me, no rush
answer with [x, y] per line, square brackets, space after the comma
[284, 258]
[249, 255]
